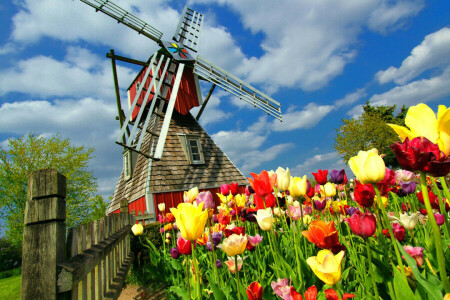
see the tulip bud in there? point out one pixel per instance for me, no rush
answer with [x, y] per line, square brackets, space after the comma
[439, 219]
[368, 166]
[174, 253]
[137, 229]
[296, 203]
[225, 189]
[264, 218]
[361, 224]
[298, 187]
[277, 211]
[162, 207]
[283, 178]
[234, 189]
[289, 200]
[168, 236]
[207, 199]
[167, 241]
[409, 222]
[328, 190]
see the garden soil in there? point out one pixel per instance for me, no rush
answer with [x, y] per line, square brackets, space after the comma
[134, 292]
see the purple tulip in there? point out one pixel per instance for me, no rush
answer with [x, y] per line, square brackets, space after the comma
[206, 198]
[409, 187]
[174, 253]
[218, 264]
[320, 205]
[216, 237]
[351, 210]
[308, 185]
[209, 247]
[337, 176]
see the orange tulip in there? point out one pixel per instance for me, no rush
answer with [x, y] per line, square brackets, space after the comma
[323, 234]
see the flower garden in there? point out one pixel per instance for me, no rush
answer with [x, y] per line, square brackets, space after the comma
[382, 235]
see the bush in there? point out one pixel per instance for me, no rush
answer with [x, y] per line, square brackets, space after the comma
[10, 273]
[10, 255]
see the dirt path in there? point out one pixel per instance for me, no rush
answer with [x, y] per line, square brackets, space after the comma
[134, 292]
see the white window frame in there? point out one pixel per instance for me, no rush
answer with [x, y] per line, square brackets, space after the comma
[186, 139]
[127, 164]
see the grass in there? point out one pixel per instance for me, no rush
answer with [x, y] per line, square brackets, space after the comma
[10, 288]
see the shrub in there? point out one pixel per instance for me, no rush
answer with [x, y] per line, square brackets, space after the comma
[10, 255]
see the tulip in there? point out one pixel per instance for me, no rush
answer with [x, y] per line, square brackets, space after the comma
[320, 205]
[241, 200]
[264, 218]
[225, 189]
[218, 264]
[294, 212]
[190, 195]
[416, 253]
[307, 219]
[439, 219]
[253, 241]
[168, 236]
[328, 190]
[137, 229]
[268, 201]
[338, 206]
[419, 154]
[321, 176]
[234, 230]
[298, 186]
[231, 265]
[277, 212]
[254, 291]
[434, 200]
[323, 234]
[399, 232]
[283, 178]
[162, 207]
[202, 239]
[404, 176]
[408, 188]
[234, 244]
[206, 198]
[190, 220]
[363, 225]
[327, 266]
[234, 188]
[281, 288]
[350, 210]
[184, 246]
[262, 183]
[174, 253]
[384, 201]
[368, 166]
[409, 221]
[422, 122]
[224, 199]
[337, 176]
[331, 294]
[289, 200]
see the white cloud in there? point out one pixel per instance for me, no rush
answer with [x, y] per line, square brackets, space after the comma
[389, 16]
[424, 90]
[80, 74]
[325, 161]
[301, 119]
[433, 52]
[88, 122]
[351, 97]
[212, 112]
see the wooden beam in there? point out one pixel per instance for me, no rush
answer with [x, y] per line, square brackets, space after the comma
[205, 102]
[126, 59]
[116, 88]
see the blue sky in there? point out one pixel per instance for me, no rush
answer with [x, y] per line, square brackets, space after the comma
[320, 59]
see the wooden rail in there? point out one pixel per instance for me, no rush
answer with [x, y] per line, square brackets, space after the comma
[91, 263]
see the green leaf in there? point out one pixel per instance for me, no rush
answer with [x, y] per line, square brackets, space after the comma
[217, 292]
[434, 292]
[401, 286]
[180, 292]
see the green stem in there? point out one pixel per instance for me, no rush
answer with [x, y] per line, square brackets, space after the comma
[442, 208]
[187, 278]
[299, 274]
[388, 225]
[437, 234]
[213, 253]
[273, 254]
[372, 271]
[194, 261]
[237, 276]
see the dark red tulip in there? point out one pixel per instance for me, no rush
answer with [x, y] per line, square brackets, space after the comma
[234, 189]
[434, 200]
[235, 230]
[398, 230]
[420, 154]
[364, 194]
[254, 291]
[321, 176]
[384, 186]
[225, 189]
[362, 224]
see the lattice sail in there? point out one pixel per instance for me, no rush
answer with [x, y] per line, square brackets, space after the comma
[214, 74]
[122, 16]
[188, 29]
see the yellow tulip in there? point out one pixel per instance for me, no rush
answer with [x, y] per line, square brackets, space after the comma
[137, 229]
[384, 200]
[368, 166]
[225, 199]
[234, 244]
[283, 178]
[298, 186]
[338, 206]
[328, 190]
[190, 195]
[327, 266]
[264, 217]
[190, 220]
[422, 121]
[241, 200]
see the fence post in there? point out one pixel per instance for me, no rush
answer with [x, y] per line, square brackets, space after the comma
[44, 234]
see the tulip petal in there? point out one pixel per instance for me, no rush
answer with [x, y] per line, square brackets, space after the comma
[422, 121]
[402, 132]
[444, 130]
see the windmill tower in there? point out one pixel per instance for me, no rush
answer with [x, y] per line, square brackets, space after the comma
[166, 151]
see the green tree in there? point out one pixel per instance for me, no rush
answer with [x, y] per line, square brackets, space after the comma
[370, 131]
[33, 152]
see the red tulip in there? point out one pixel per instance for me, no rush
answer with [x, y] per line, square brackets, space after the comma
[331, 294]
[294, 294]
[184, 246]
[399, 232]
[420, 154]
[388, 180]
[225, 189]
[361, 224]
[311, 293]
[262, 183]
[234, 188]
[269, 201]
[224, 219]
[235, 230]
[254, 291]
[364, 194]
[323, 234]
[321, 176]
[434, 200]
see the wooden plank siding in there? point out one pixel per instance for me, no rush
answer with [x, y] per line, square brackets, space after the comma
[91, 263]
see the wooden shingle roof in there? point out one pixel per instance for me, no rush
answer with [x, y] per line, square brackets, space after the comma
[173, 172]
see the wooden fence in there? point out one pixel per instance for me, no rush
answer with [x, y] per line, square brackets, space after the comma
[91, 263]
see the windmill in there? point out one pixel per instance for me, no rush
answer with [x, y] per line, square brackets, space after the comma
[169, 81]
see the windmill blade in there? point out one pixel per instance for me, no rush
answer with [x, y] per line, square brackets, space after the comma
[216, 75]
[188, 29]
[122, 16]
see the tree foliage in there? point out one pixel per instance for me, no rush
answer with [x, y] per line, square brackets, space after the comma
[369, 131]
[33, 152]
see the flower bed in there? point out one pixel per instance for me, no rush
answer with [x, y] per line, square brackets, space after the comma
[383, 235]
